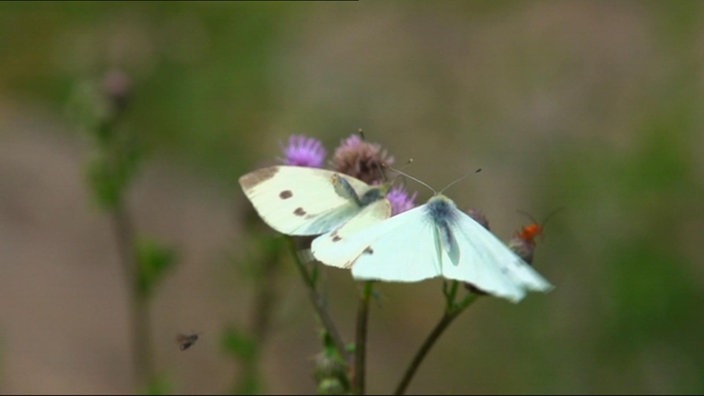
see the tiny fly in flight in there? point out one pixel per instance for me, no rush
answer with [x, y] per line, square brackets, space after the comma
[186, 341]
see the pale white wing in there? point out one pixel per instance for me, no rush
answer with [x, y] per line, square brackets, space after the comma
[300, 201]
[487, 263]
[333, 248]
[400, 249]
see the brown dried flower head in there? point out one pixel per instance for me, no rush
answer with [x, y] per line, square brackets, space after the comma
[365, 161]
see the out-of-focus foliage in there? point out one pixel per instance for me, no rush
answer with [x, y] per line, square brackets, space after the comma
[200, 70]
[153, 262]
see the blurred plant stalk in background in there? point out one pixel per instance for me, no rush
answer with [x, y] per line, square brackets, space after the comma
[98, 109]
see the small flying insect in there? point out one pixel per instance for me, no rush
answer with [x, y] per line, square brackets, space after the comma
[186, 341]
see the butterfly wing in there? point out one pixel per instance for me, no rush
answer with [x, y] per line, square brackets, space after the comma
[301, 201]
[487, 263]
[337, 248]
[399, 249]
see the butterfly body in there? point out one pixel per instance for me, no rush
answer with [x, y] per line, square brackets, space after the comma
[434, 239]
[443, 213]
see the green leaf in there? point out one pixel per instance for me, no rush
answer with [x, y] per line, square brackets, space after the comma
[106, 188]
[153, 262]
[239, 344]
[249, 385]
[159, 385]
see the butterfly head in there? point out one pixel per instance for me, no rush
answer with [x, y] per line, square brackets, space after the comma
[441, 209]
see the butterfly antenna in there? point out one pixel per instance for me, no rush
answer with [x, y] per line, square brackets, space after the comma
[408, 163]
[459, 180]
[413, 178]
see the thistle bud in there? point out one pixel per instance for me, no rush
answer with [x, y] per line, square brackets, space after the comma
[361, 159]
[117, 88]
[330, 374]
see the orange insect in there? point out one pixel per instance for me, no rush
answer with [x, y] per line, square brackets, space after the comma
[523, 243]
[530, 232]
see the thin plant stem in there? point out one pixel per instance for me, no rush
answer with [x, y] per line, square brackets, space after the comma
[318, 302]
[452, 310]
[264, 299]
[360, 345]
[138, 305]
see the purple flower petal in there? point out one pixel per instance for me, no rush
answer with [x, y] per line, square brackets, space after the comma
[400, 200]
[304, 151]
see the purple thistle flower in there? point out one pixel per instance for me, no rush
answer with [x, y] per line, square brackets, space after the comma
[354, 140]
[304, 151]
[400, 200]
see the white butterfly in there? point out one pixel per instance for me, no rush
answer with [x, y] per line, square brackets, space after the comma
[297, 200]
[434, 239]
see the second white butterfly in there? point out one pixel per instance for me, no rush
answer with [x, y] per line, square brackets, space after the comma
[434, 239]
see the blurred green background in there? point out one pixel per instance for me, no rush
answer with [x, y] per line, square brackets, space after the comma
[591, 105]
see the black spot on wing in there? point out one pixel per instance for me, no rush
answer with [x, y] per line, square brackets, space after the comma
[368, 250]
[286, 194]
[299, 212]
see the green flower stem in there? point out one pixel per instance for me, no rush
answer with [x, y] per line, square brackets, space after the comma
[318, 303]
[264, 300]
[265, 297]
[452, 310]
[139, 306]
[360, 346]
